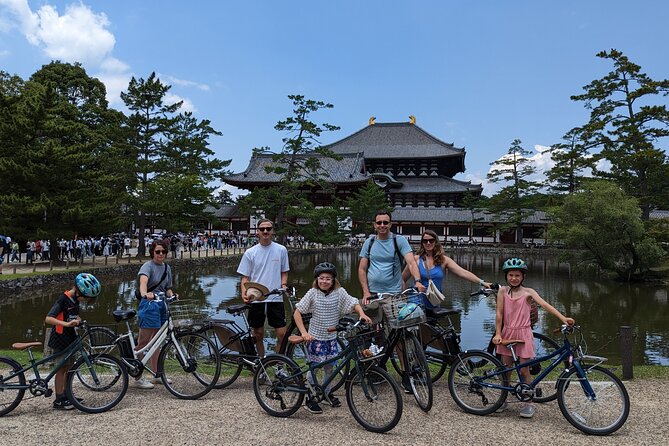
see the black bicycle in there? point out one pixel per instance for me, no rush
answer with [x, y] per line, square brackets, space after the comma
[373, 397]
[441, 342]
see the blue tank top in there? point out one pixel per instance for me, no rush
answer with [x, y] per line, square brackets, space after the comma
[436, 274]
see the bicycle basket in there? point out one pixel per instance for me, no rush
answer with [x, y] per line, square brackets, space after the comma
[186, 315]
[396, 318]
[367, 342]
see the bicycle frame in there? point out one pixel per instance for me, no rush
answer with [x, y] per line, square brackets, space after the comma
[562, 354]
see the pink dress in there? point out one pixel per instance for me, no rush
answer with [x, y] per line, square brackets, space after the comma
[516, 325]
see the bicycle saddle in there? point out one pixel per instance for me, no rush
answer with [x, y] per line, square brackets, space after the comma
[25, 345]
[123, 315]
[234, 309]
[439, 312]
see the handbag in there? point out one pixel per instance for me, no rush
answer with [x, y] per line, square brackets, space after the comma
[433, 294]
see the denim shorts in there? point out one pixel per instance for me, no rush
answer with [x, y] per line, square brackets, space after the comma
[151, 314]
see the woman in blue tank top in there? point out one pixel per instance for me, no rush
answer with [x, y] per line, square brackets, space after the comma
[432, 264]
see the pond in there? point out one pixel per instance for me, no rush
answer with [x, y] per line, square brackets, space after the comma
[599, 306]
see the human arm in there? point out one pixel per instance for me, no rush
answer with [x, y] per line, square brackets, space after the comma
[53, 321]
[550, 308]
[361, 314]
[297, 317]
[412, 265]
[242, 286]
[459, 271]
[284, 279]
[499, 316]
[362, 278]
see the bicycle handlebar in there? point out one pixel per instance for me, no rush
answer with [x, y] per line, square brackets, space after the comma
[382, 296]
[486, 291]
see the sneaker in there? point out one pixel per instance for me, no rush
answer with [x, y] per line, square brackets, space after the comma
[143, 383]
[503, 407]
[334, 401]
[262, 378]
[63, 404]
[406, 383]
[159, 381]
[313, 407]
[527, 411]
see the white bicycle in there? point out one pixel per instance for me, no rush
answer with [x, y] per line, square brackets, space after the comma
[189, 364]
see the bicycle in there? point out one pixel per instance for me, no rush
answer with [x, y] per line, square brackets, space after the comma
[590, 397]
[372, 396]
[236, 344]
[403, 335]
[94, 383]
[441, 342]
[189, 363]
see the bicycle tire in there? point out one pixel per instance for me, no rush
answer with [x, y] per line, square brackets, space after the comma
[231, 362]
[436, 352]
[374, 399]
[600, 416]
[8, 399]
[336, 383]
[274, 375]
[464, 382]
[198, 375]
[418, 371]
[98, 387]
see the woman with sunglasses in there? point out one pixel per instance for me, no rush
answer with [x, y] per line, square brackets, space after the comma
[154, 277]
[433, 263]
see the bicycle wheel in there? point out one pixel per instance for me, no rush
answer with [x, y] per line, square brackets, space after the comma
[298, 353]
[374, 399]
[419, 374]
[194, 375]
[10, 396]
[546, 390]
[601, 414]
[231, 363]
[436, 351]
[100, 340]
[275, 385]
[468, 382]
[96, 387]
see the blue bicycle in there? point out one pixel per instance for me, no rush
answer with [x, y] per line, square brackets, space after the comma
[590, 397]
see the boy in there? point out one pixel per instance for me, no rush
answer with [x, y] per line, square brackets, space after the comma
[64, 316]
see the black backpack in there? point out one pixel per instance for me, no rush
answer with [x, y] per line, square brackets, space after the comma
[372, 239]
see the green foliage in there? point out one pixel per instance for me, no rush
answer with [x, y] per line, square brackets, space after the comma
[363, 204]
[571, 159]
[626, 126]
[173, 163]
[298, 165]
[604, 225]
[62, 156]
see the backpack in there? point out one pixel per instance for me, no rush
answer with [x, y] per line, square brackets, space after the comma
[372, 239]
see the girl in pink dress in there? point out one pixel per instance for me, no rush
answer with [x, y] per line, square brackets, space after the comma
[513, 320]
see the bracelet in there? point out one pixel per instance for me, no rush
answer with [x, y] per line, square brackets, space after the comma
[481, 282]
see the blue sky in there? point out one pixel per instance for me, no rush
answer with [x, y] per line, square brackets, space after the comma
[474, 73]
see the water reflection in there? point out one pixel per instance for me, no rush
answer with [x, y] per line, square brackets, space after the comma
[600, 306]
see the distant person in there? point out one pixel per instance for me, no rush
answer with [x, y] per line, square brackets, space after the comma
[267, 264]
[327, 301]
[64, 316]
[381, 258]
[513, 321]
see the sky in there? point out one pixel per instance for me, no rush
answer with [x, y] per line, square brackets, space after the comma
[477, 74]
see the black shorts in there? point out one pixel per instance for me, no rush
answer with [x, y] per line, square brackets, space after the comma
[276, 315]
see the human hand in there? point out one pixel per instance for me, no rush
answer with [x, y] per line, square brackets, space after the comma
[246, 299]
[366, 318]
[569, 321]
[365, 298]
[73, 323]
[306, 337]
[497, 339]
[150, 295]
[420, 287]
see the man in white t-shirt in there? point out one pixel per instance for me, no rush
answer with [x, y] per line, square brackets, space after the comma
[267, 264]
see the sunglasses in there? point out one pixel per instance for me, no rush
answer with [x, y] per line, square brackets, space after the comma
[382, 222]
[428, 241]
[159, 251]
[265, 229]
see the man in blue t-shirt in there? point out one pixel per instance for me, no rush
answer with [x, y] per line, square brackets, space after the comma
[380, 268]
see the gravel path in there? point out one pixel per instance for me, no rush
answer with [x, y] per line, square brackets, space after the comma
[232, 416]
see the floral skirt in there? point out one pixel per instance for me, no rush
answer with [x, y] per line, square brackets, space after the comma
[321, 351]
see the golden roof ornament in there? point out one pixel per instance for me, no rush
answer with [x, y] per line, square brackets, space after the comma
[412, 119]
[371, 120]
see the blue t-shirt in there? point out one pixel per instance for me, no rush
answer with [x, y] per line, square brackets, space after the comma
[384, 273]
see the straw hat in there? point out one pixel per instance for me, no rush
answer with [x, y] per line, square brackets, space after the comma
[255, 291]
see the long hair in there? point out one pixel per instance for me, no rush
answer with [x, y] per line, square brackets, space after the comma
[437, 253]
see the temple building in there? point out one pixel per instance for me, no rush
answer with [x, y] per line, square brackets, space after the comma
[415, 169]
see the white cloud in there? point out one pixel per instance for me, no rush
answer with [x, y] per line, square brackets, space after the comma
[541, 160]
[187, 106]
[171, 80]
[234, 191]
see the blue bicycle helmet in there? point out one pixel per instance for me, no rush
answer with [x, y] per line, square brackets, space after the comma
[325, 267]
[87, 284]
[514, 264]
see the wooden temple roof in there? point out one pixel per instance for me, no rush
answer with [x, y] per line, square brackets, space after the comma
[457, 215]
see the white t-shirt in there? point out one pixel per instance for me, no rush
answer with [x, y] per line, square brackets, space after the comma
[264, 265]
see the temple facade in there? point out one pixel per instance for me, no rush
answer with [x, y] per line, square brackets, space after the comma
[416, 171]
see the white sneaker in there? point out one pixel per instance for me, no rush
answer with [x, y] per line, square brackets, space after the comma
[528, 411]
[143, 383]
